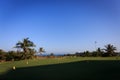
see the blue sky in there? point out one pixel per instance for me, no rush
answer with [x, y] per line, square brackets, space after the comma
[60, 26]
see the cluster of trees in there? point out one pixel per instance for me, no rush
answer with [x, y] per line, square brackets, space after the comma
[25, 50]
[109, 50]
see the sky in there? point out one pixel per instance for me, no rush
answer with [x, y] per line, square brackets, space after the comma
[60, 26]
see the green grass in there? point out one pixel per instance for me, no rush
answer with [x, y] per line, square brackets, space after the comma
[66, 68]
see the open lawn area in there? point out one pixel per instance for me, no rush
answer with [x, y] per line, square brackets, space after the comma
[64, 68]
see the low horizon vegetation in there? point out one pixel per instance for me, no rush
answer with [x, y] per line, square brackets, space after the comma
[25, 50]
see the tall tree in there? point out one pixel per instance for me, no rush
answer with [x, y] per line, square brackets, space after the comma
[110, 49]
[99, 52]
[25, 45]
[41, 50]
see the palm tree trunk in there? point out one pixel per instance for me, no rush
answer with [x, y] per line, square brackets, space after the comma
[25, 52]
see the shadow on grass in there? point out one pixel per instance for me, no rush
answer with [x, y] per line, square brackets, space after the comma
[82, 70]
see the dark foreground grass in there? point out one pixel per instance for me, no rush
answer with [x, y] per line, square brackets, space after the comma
[79, 70]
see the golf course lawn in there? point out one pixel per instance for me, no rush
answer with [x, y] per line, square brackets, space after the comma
[64, 68]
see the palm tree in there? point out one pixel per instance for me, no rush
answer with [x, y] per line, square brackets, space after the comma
[25, 45]
[110, 50]
[41, 50]
[99, 52]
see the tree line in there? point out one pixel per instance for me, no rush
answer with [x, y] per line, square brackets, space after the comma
[108, 50]
[25, 50]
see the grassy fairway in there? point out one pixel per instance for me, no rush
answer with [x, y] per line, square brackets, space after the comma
[67, 68]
